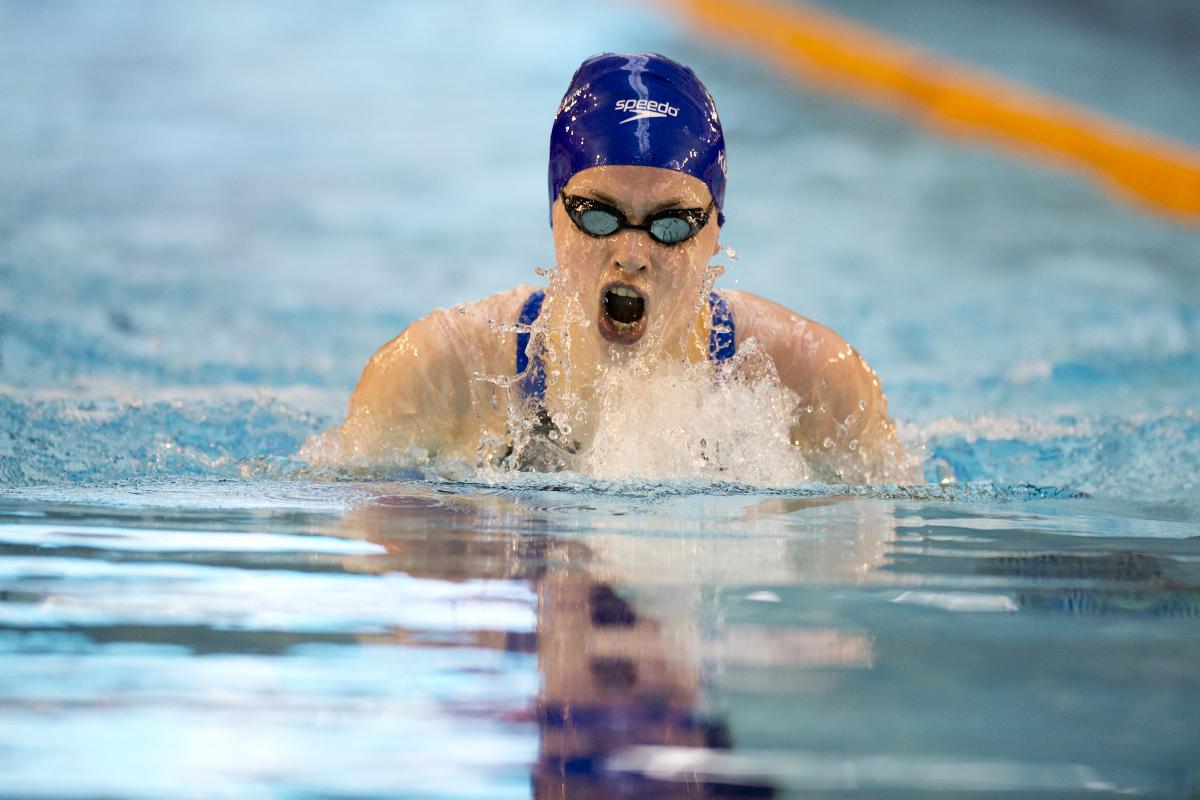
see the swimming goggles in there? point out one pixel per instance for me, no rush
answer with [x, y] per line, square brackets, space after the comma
[671, 226]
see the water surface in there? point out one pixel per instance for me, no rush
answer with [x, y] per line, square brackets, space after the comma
[216, 213]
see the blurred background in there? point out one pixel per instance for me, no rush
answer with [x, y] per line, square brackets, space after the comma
[212, 214]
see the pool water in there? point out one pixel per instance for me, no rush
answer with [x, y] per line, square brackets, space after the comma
[215, 213]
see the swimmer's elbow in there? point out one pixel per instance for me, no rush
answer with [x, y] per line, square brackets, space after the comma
[380, 395]
[853, 396]
[868, 394]
[386, 390]
[876, 432]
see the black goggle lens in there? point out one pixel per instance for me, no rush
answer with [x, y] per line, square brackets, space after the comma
[669, 227]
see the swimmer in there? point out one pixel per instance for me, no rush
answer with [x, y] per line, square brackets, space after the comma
[636, 190]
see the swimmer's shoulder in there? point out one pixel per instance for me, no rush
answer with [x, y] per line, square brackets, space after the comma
[780, 330]
[472, 325]
[499, 307]
[438, 353]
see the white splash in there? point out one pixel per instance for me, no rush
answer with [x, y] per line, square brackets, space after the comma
[680, 421]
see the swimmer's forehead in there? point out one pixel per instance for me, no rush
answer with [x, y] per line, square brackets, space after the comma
[640, 189]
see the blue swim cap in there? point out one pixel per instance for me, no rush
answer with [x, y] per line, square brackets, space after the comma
[641, 109]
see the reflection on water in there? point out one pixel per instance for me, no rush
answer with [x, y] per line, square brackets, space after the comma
[614, 679]
[442, 640]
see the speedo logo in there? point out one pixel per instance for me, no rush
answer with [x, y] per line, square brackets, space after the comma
[645, 109]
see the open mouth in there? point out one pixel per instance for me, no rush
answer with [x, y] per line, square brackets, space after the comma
[622, 317]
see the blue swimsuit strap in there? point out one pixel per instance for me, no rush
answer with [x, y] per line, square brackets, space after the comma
[533, 383]
[720, 337]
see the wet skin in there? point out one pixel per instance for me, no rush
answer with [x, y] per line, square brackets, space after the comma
[669, 278]
[422, 388]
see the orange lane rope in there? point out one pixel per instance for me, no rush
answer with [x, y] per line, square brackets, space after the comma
[959, 99]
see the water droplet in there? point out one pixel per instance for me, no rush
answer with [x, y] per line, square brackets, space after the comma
[862, 405]
[498, 380]
[828, 443]
[729, 251]
[853, 444]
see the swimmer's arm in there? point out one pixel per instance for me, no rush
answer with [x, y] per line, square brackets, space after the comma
[828, 375]
[849, 407]
[412, 393]
[421, 390]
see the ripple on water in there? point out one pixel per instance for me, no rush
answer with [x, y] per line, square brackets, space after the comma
[72, 444]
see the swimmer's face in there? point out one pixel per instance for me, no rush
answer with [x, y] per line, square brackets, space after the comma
[635, 291]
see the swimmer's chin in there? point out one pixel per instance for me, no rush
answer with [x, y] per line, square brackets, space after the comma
[615, 330]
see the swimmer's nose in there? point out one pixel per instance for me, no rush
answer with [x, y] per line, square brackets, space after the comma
[630, 252]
